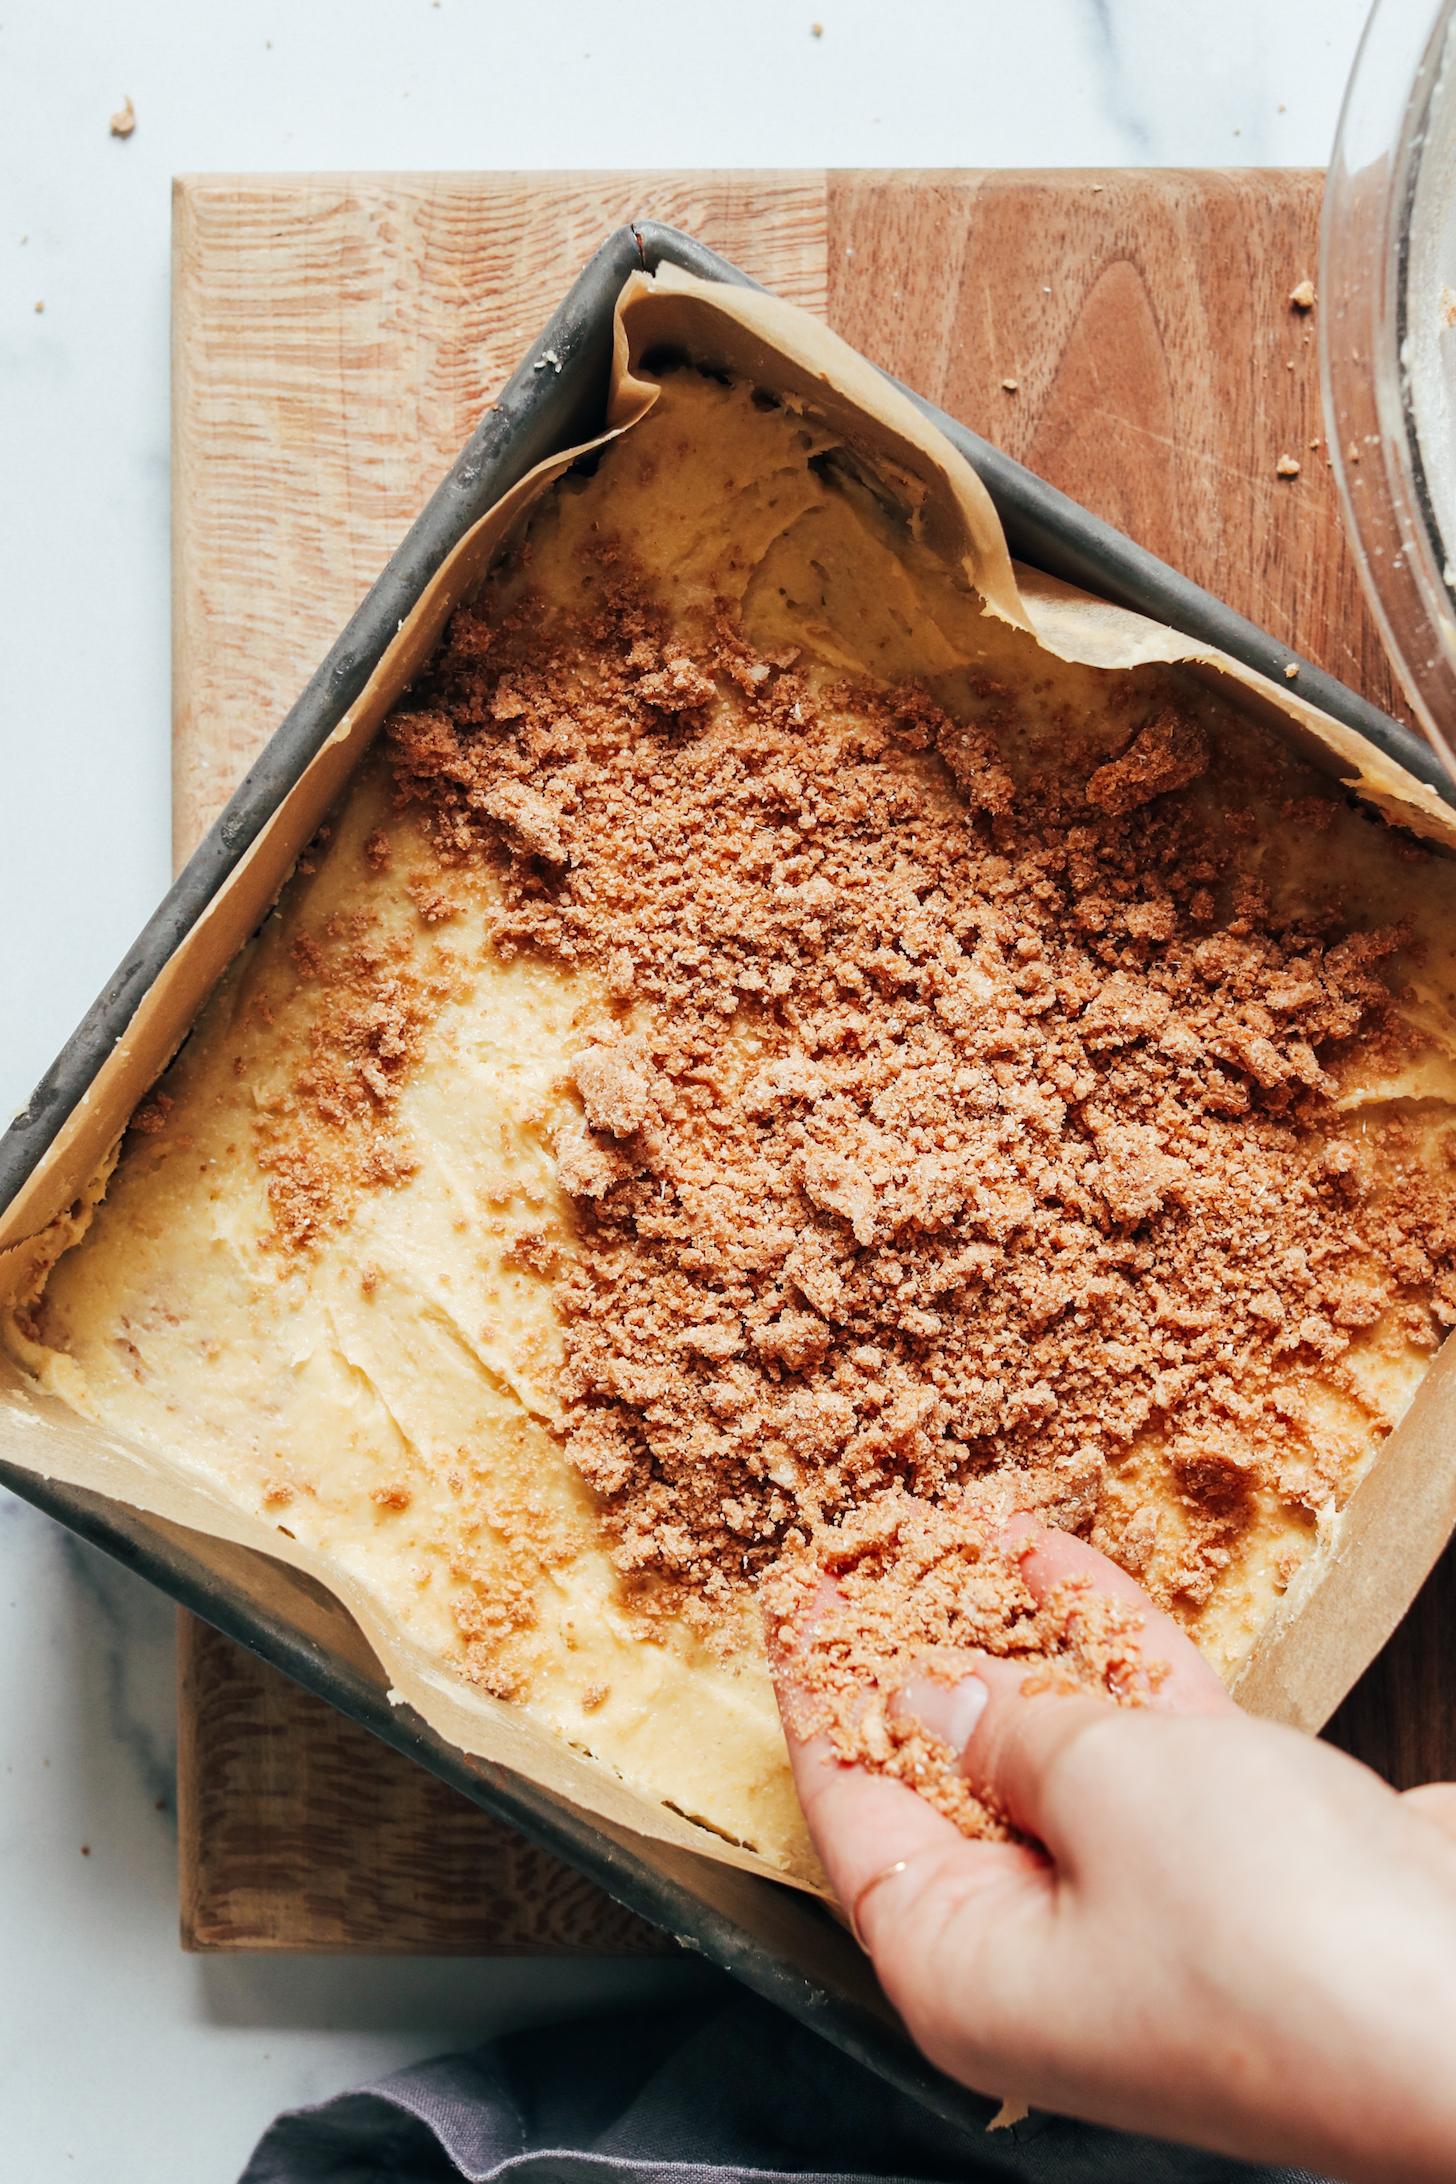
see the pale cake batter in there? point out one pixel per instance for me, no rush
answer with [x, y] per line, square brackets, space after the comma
[540, 1230]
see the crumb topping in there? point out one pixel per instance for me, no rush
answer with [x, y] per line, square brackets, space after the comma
[332, 1130]
[951, 1114]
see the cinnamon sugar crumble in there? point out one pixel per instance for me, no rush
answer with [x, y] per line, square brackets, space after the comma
[950, 1115]
[536, 1249]
[1166, 754]
[152, 1116]
[433, 906]
[333, 1130]
[903, 1587]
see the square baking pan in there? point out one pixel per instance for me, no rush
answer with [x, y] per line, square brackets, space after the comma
[785, 1946]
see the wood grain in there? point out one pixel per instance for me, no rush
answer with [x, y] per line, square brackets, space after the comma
[300, 1830]
[336, 339]
[1160, 369]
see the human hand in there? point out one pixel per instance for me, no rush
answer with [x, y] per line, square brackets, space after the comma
[1231, 1934]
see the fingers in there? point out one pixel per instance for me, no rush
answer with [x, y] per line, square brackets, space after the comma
[863, 1824]
[1181, 1679]
[1016, 1737]
[943, 1916]
[1018, 1743]
[1012, 1738]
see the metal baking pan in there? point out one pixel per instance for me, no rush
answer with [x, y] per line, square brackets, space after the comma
[784, 1946]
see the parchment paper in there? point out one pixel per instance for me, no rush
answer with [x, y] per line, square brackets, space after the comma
[1368, 1564]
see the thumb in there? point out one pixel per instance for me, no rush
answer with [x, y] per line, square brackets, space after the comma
[1013, 1728]
[1012, 1736]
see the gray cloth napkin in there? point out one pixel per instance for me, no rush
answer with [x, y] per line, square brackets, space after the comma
[726, 2092]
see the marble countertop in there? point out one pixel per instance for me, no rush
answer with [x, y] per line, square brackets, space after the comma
[119, 2056]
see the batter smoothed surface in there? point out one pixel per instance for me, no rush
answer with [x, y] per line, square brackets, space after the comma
[759, 1035]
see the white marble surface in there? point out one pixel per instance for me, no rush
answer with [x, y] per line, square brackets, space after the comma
[119, 2056]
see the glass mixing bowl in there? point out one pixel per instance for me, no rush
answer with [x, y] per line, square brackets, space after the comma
[1387, 331]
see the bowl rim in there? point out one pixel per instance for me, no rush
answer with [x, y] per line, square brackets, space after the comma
[1365, 307]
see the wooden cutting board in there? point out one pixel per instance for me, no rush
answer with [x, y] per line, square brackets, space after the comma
[335, 339]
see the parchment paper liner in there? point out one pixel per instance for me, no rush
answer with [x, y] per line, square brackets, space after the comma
[1368, 1563]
